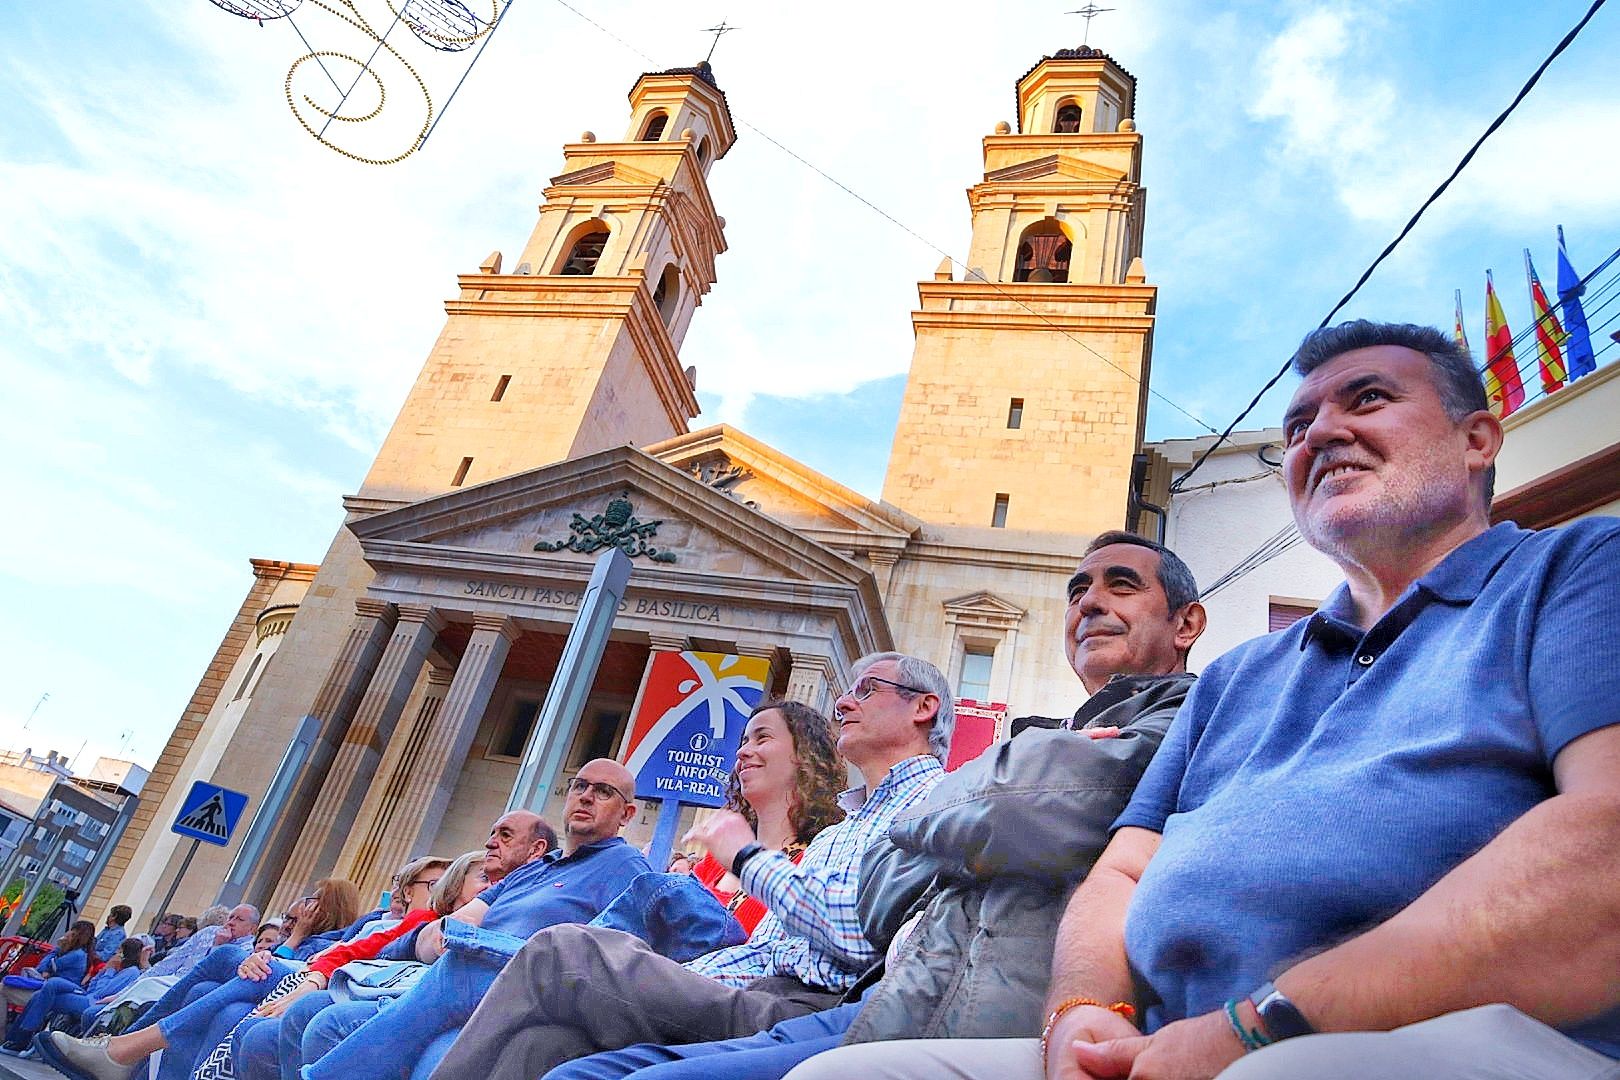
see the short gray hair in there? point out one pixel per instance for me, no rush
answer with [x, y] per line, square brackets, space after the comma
[214, 915]
[929, 679]
[1456, 377]
[1175, 576]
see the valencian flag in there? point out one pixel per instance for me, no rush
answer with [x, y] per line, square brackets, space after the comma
[1457, 330]
[1579, 347]
[1549, 335]
[1503, 389]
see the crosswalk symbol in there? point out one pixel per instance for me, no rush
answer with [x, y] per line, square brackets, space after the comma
[209, 817]
[209, 813]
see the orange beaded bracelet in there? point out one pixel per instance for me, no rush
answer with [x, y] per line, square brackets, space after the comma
[1118, 1008]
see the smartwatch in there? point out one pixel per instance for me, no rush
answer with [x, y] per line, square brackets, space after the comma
[1281, 1017]
[747, 852]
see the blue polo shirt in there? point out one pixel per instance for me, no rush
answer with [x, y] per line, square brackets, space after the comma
[561, 888]
[1319, 779]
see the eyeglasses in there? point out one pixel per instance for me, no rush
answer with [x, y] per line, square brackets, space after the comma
[578, 786]
[867, 685]
[425, 884]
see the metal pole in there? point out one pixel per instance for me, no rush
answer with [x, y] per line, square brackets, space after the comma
[547, 748]
[175, 884]
[275, 799]
[663, 841]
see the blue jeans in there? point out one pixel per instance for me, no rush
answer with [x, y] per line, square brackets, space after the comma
[273, 1048]
[391, 1044]
[769, 1055]
[57, 995]
[197, 1028]
[213, 970]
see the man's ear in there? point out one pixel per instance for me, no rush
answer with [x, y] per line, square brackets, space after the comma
[1190, 623]
[630, 809]
[1484, 433]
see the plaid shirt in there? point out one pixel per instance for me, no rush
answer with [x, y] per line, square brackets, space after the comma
[812, 930]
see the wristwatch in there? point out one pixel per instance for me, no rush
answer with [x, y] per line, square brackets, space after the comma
[740, 860]
[1281, 1017]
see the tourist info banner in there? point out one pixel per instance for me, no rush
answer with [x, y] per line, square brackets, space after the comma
[684, 737]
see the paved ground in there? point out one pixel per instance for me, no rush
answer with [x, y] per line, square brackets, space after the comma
[17, 1069]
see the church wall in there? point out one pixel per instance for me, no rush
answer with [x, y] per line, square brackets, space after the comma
[625, 407]
[481, 791]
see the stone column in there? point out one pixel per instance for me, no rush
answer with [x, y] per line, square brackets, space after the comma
[811, 680]
[335, 811]
[390, 816]
[456, 724]
[334, 706]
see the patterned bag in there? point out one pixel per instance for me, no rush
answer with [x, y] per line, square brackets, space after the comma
[217, 1065]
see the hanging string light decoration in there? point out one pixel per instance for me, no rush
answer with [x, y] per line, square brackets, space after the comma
[339, 91]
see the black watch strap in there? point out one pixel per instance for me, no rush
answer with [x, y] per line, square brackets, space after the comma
[748, 852]
[1281, 1017]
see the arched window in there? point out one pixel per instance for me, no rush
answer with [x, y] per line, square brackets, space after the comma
[586, 252]
[703, 151]
[655, 127]
[667, 294]
[1043, 253]
[1068, 119]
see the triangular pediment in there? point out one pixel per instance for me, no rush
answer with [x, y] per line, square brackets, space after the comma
[571, 511]
[1055, 166]
[786, 490]
[984, 609]
[606, 172]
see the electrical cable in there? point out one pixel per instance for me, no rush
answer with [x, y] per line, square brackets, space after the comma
[1410, 225]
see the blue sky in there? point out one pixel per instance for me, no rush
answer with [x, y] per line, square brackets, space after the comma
[207, 320]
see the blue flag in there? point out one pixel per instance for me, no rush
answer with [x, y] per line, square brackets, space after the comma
[1578, 349]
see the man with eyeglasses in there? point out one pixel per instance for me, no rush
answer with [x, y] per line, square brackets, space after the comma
[576, 990]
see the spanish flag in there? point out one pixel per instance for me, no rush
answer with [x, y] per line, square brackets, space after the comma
[1503, 389]
[1457, 330]
[1550, 336]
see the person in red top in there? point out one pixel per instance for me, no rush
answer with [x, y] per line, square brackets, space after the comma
[785, 782]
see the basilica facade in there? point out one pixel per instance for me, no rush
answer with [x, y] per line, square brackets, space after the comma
[552, 418]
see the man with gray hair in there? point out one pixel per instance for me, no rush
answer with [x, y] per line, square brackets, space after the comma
[576, 990]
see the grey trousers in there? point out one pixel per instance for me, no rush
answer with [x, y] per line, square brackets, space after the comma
[1492, 1042]
[574, 990]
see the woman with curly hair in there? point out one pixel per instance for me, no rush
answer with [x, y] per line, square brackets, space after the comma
[785, 782]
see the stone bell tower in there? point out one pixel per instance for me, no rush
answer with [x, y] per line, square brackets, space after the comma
[573, 347]
[1028, 384]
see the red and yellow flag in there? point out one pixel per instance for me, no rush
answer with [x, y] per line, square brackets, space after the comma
[1504, 390]
[1457, 331]
[1550, 336]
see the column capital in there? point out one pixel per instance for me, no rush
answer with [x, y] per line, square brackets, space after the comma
[503, 625]
[667, 642]
[431, 618]
[372, 608]
[440, 676]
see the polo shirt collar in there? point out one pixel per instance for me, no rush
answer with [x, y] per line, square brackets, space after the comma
[1458, 579]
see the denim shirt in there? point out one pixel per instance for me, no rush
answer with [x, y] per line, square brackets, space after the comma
[562, 887]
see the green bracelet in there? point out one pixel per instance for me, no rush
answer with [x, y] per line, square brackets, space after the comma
[1251, 1038]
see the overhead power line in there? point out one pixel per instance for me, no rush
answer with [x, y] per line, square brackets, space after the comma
[1366, 274]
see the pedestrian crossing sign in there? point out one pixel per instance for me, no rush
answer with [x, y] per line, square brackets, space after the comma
[210, 813]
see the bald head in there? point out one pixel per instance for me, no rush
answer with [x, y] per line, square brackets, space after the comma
[601, 801]
[517, 837]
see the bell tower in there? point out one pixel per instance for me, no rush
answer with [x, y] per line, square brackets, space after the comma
[1028, 384]
[574, 347]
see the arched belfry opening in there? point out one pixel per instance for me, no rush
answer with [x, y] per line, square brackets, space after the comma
[655, 127]
[586, 252]
[1044, 251]
[667, 293]
[1068, 119]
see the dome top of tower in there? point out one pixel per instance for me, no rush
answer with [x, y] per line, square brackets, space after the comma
[1079, 52]
[701, 69]
[703, 84]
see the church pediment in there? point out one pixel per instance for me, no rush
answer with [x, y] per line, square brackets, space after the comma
[1055, 166]
[570, 512]
[607, 172]
[983, 609]
[764, 479]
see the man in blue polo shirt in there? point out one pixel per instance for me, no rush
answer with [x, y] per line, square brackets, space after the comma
[1393, 824]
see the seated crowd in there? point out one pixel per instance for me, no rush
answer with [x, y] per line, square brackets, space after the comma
[1377, 844]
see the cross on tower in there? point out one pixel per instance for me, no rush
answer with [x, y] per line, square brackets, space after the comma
[718, 32]
[1090, 11]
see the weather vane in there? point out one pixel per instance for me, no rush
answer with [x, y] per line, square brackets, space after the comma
[718, 32]
[325, 85]
[1090, 11]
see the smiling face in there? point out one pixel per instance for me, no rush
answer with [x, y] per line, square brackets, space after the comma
[767, 767]
[1119, 621]
[1374, 465]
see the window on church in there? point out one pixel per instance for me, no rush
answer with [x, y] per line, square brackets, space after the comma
[461, 472]
[973, 683]
[1015, 413]
[1068, 119]
[586, 253]
[703, 151]
[998, 516]
[667, 294]
[598, 737]
[518, 725]
[248, 678]
[655, 127]
[500, 388]
[1043, 254]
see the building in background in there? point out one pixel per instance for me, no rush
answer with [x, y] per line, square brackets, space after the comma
[551, 419]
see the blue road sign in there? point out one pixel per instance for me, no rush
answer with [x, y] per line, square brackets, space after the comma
[209, 813]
